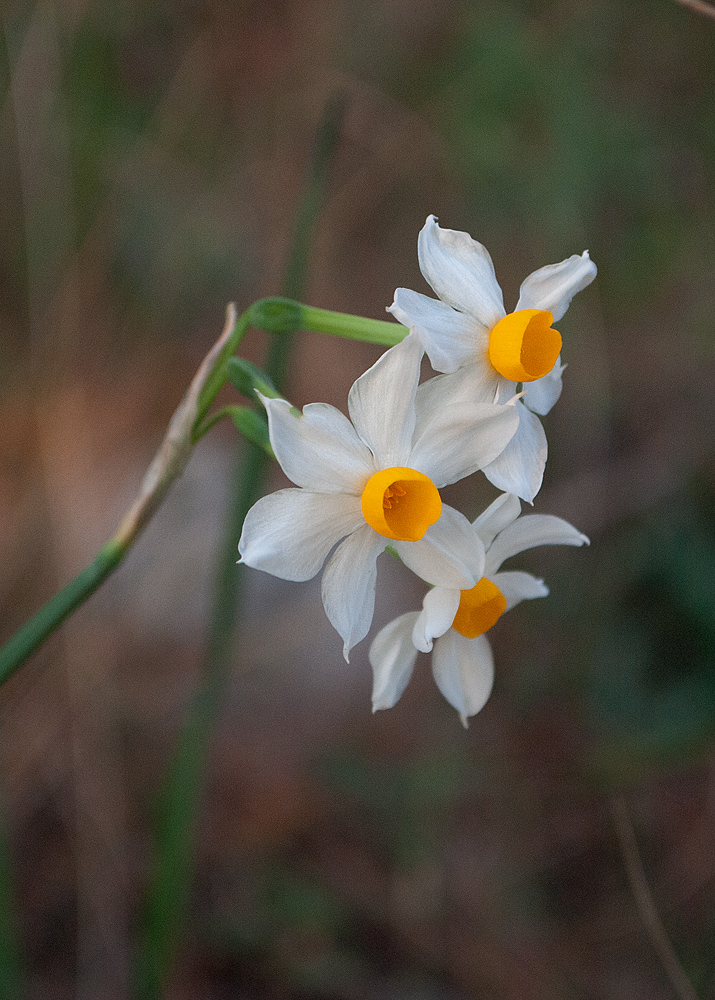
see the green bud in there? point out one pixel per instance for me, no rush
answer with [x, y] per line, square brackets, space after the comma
[247, 377]
[252, 425]
[277, 315]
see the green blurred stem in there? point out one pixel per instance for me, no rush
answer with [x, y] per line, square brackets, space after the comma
[177, 808]
[296, 272]
[169, 888]
[11, 975]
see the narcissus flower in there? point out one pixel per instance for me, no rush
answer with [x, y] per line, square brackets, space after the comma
[377, 481]
[456, 620]
[468, 328]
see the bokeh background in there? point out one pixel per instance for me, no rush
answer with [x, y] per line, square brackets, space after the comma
[152, 159]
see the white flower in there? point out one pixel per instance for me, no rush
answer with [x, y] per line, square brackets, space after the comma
[375, 480]
[467, 328]
[462, 662]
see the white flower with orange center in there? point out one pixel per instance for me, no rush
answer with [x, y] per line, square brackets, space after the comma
[455, 620]
[467, 331]
[377, 481]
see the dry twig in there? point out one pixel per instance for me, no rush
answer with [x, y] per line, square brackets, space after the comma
[699, 6]
[645, 902]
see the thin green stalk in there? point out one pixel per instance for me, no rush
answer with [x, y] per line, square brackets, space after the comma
[169, 888]
[372, 331]
[10, 966]
[177, 812]
[31, 636]
[296, 272]
[280, 314]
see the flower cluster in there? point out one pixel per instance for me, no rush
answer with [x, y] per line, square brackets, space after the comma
[373, 480]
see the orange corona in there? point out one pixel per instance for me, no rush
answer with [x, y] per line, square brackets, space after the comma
[524, 346]
[479, 609]
[401, 503]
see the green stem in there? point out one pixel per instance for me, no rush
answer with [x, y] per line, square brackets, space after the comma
[31, 636]
[280, 314]
[11, 974]
[296, 272]
[177, 811]
[372, 331]
[168, 891]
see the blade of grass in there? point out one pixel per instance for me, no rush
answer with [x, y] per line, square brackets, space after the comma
[10, 965]
[169, 888]
[645, 903]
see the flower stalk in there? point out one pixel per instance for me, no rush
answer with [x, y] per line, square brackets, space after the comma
[280, 315]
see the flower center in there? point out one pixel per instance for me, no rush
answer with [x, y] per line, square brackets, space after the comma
[523, 346]
[401, 503]
[479, 608]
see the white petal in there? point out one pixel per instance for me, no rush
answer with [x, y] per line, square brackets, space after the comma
[495, 518]
[541, 394]
[392, 657]
[528, 532]
[321, 450]
[464, 671]
[289, 533]
[473, 383]
[449, 337]
[382, 402]
[506, 391]
[520, 467]
[450, 554]
[456, 434]
[552, 287]
[517, 586]
[438, 610]
[461, 272]
[348, 586]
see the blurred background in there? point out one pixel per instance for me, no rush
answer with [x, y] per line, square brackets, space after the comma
[152, 160]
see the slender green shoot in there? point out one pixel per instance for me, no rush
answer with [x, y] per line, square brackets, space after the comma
[179, 803]
[10, 965]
